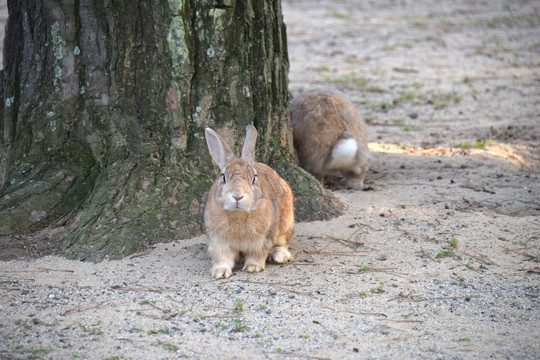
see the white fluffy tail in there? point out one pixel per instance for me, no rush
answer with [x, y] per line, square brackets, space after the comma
[343, 155]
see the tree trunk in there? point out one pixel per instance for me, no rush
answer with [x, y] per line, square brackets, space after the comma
[104, 111]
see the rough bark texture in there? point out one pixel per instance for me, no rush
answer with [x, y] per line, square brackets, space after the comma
[104, 109]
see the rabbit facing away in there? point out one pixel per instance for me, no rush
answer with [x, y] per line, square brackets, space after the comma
[330, 137]
[249, 209]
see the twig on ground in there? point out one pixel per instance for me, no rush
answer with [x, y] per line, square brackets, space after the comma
[301, 262]
[373, 269]
[401, 320]
[155, 317]
[228, 316]
[10, 289]
[418, 298]
[531, 257]
[47, 269]
[371, 227]
[344, 242]
[481, 258]
[405, 70]
[347, 253]
[269, 283]
[517, 249]
[142, 253]
[374, 123]
[478, 188]
[19, 279]
[357, 312]
[294, 291]
[281, 286]
[408, 338]
[172, 315]
[125, 288]
[83, 307]
[41, 302]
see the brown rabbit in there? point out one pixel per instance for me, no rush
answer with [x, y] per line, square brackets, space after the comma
[330, 137]
[249, 209]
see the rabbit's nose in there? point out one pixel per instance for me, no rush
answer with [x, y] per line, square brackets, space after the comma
[237, 199]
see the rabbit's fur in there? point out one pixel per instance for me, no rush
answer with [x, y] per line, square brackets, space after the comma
[249, 209]
[330, 137]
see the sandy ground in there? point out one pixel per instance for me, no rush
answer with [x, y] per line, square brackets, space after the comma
[436, 259]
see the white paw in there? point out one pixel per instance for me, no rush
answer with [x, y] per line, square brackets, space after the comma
[253, 268]
[280, 255]
[221, 272]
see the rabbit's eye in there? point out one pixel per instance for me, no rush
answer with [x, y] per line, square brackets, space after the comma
[254, 179]
[223, 178]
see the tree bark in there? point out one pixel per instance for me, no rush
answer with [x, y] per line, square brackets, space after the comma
[104, 109]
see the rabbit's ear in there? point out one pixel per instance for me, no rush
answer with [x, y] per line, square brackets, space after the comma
[248, 151]
[219, 150]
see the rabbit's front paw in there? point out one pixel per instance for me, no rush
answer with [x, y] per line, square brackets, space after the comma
[221, 271]
[253, 264]
[280, 255]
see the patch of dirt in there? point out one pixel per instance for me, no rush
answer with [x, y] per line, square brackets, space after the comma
[436, 259]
